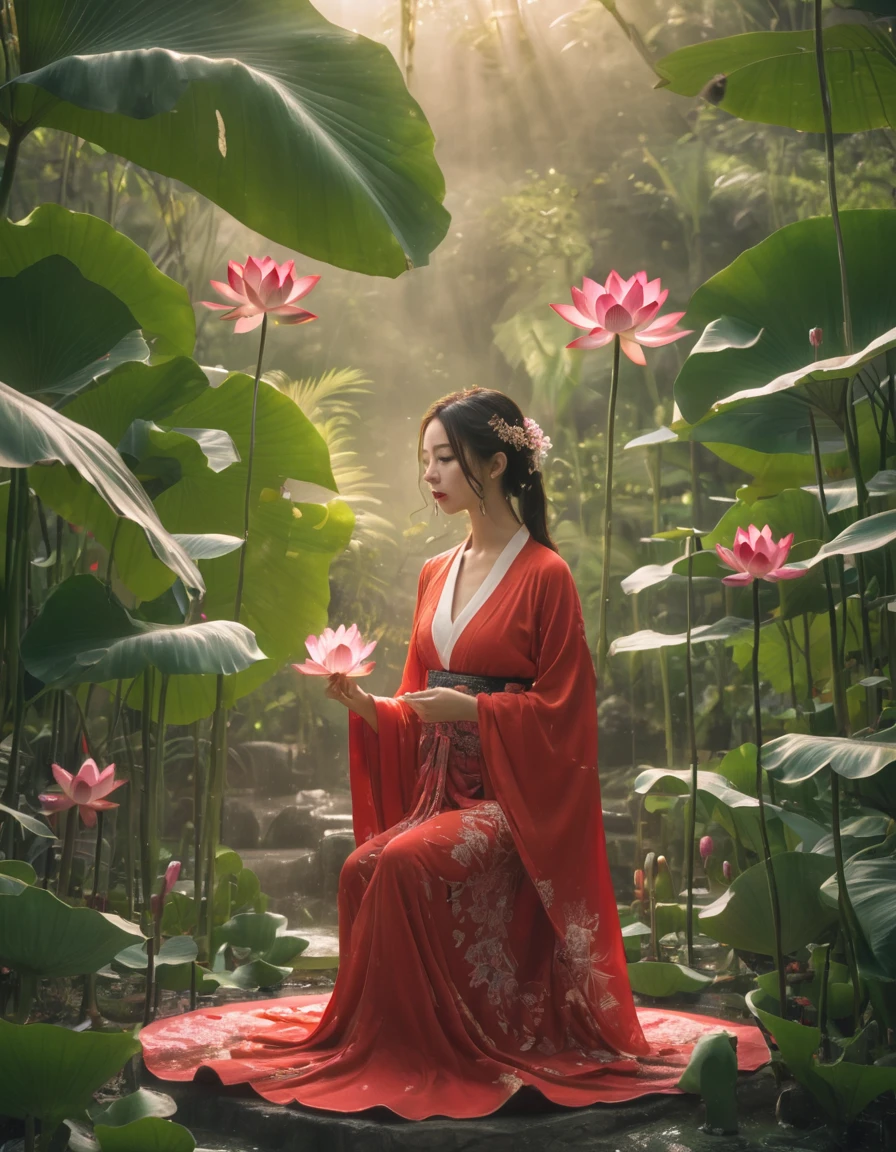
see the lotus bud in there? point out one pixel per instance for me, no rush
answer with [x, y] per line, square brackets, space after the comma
[664, 889]
[816, 336]
[726, 870]
[639, 883]
[705, 848]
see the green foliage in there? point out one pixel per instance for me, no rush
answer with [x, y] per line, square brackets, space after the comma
[105, 258]
[42, 936]
[84, 633]
[779, 289]
[712, 1072]
[772, 78]
[742, 918]
[51, 1073]
[302, 130]
[659, 978]
[149, 1134]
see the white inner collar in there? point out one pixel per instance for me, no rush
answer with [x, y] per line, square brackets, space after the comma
[445, 634]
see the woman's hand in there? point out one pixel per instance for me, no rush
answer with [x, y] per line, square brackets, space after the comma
[435, 705]
[345, 690]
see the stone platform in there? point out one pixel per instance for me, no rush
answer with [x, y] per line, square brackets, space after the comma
[227, 1120]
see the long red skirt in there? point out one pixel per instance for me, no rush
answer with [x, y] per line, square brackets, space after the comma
[445, 1003]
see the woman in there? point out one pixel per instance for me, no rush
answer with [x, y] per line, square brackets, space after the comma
[480, 947]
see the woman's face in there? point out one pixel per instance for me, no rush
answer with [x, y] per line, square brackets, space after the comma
[442, 472]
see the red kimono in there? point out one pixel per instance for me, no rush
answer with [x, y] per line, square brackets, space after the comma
[478, 933]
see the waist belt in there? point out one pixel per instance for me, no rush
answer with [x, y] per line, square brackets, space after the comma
[438, 678]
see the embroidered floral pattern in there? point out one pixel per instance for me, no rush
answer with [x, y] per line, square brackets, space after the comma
[545, 891]
[583, 961]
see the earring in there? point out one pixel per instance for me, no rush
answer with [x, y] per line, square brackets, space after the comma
[435, 507]
[482, 505]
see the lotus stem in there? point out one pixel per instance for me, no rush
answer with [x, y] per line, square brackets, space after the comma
[667, 708]
[150, 978]
[862, 496]
[147, 863]
[831, 172]
[215, 788]
[603, 642]
[68, 852]
[133, 810]
[239, 583]
[782, 627]
[763, 827]
[16, 135]
[841, 715]
[97, 858]
[847, 915]
[807, 656]
[158, 779]
[17, 575]
[197, 822]
[823, 1005]
[108, 580]
[691, 835]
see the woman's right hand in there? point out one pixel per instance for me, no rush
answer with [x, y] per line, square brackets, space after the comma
[347, 691]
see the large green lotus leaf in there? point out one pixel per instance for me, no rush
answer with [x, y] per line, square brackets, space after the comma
[866, 535]
[871, 883]
[736, 811]
[742, 915]
[45, 937]
[779, 424]
[796, 1042]
[831, 368]
[29, 823]
[286, 590]
[302, 130]
[712, 1072]
[797, 757]
[781, 288]
[54, 322]
[192, 448]
[658, 978]
[131, 392]
[853, 1086]
[149, 1134]
[253, 930]
[31, 433]
[647, 639]
[793, 511]
[772, 77]
[134, 1106]
[160, 306]
[704, 568]
[84, 634]
[138, 392]
[52, 1072]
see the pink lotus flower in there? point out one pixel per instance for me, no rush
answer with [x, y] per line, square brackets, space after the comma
[342, 652]
[706, 847]
[87, 790]
[623, 308]
[261, 287]
[157, 902]
[816, 337]
[756, 556]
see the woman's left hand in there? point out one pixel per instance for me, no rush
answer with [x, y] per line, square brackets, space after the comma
[435, 705]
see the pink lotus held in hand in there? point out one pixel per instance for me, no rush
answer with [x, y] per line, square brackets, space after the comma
[341, 652]
[756, 556]
[87, 790]
[624, 308]
[262, 287]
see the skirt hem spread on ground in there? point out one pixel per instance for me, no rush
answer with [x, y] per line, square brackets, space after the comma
[479, 940]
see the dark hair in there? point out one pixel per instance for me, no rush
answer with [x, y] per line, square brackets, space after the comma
[465, 417]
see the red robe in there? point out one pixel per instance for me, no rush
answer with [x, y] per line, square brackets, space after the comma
[479, 939]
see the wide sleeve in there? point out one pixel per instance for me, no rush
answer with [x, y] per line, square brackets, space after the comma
[383, 764]
[540, 752]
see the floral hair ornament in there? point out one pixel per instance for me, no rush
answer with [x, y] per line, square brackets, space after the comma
[528, 437]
